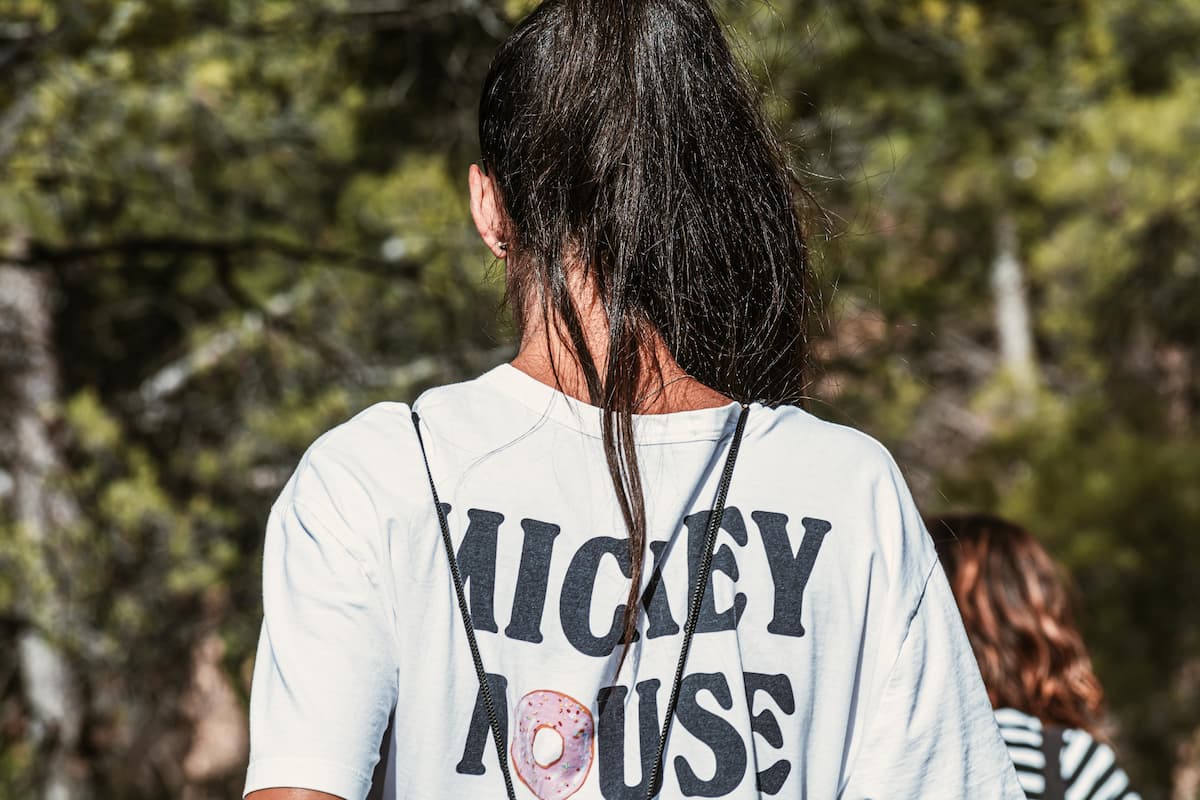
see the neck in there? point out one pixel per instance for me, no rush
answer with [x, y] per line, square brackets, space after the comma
[663, 386]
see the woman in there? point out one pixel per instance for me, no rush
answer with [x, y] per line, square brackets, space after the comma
[1017, 609]
[656, 267]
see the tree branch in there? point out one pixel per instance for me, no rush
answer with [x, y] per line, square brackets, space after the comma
[172, 377]
[40, 254]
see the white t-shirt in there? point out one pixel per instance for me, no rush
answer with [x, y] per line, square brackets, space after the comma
[829, 660]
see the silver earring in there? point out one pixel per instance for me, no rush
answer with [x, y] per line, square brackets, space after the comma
[503, 246]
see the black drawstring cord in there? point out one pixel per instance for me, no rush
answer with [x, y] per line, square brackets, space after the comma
[689, 628]
[498, 736]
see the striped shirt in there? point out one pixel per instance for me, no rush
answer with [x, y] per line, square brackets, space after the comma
[1089, 768]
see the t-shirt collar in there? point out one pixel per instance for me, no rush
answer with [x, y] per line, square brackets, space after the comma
[678, 426]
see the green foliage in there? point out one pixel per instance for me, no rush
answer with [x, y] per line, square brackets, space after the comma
[255, 216]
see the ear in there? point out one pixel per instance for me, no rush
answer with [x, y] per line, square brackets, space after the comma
[485, 210]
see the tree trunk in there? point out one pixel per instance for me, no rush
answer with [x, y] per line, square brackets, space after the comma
[1014, 331]
[51, 684]
[220, 743]
[1185, 777]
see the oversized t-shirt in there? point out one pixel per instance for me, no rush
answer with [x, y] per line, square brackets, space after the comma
[829, 659]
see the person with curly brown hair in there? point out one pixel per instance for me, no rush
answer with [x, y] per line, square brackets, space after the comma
[1016, 604]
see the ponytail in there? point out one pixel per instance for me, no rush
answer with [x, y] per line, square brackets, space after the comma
[624, 137]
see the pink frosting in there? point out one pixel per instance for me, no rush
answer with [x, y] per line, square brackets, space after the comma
[571, 720]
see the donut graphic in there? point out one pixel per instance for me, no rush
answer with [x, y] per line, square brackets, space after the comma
[552, 750]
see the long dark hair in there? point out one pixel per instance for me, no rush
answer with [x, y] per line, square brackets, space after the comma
[1016, 605]
[625, 139]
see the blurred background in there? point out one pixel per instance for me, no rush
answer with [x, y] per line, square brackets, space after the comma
[226, 226]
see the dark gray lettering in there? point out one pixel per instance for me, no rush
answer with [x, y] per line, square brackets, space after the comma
[610, 739]
[529, 600]
[779, 688]
[720, 736]
[789, 574]
[575, 603]
[655, 601]
[723, 562]
[478, 735]
[477, 566]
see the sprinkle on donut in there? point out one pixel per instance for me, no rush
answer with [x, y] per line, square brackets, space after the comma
[551, 713]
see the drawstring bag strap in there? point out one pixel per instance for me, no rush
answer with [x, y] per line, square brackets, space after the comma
[689, 629]
[693, 617]
[498, 736]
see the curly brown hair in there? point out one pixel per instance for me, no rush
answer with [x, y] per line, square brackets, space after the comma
[1016, 604]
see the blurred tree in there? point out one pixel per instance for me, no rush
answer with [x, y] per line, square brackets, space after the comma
[1015, 257]
[244, 221]
[42, 512]
[238, 225]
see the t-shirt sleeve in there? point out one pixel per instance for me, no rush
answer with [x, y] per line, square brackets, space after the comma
[933, 732]
[325, 677]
